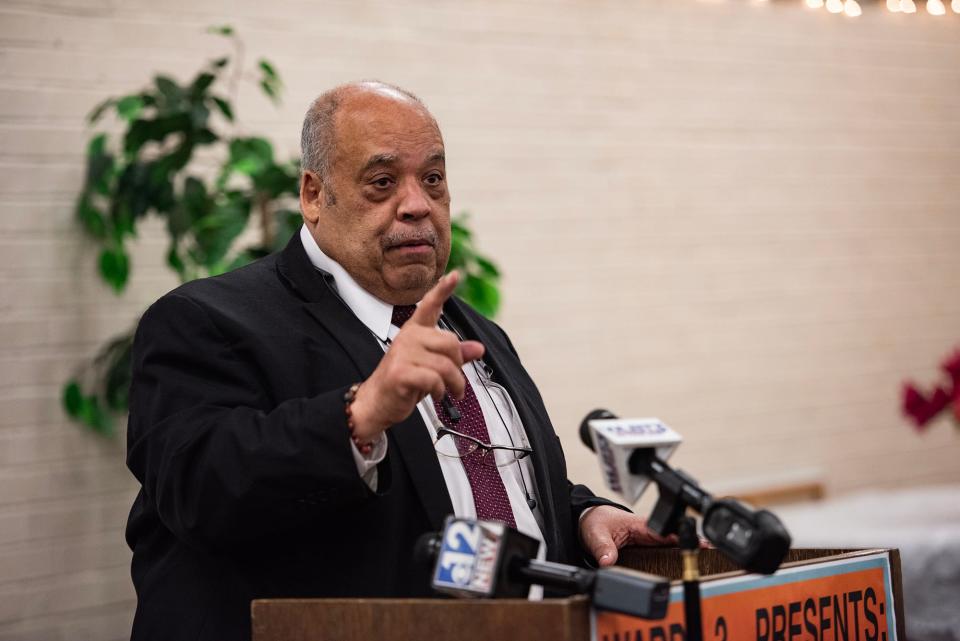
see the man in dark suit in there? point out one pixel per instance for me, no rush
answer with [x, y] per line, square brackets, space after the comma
[286, 418]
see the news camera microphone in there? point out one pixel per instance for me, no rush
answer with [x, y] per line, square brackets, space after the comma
[618, 442]
[474, 558]
[632, 453]
[485, 559]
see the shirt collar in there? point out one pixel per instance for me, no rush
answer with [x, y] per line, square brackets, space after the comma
[372, 312]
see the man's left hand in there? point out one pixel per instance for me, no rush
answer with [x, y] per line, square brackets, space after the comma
[606, 529]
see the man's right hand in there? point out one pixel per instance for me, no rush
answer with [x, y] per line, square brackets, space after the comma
[423, 359]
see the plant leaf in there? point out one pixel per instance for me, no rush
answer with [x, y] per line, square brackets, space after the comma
[136, 192]
[115, 268]
[129, 107]
[250, 155]
[86, 409]
[274, 181]
[93, 415]
[199, 115]
[117, 384]
[201, 83]
[458, 257]
[481, 294]
[215, 232]
[172, 162]
[99, 166]
[458, 227]
[206, 137]
[195, 198]
[224, 107]
[178, 223]
[268, 70]
[175, 262]
[170, 91]
[72, 398]
[288, 222]
[143, 131]
[99, 110]
[221, 30]
[486, 267]
[269, 89]
[92, 218]
[97, 145]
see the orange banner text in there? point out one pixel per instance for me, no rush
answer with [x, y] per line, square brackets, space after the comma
[847, 600]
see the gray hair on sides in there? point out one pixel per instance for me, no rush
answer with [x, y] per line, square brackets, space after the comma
[318, 137]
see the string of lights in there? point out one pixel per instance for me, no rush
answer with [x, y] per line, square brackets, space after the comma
[853, 9]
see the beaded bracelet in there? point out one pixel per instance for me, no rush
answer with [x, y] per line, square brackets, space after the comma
[348, 398]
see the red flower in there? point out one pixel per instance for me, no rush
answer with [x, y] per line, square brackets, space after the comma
[938, 402]
[952, 367]
[915, 406]
[913, 400]
[921, 409]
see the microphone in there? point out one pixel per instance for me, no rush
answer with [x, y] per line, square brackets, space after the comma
[632, 454]
[485, 559]
[615, 440]
[473, 558]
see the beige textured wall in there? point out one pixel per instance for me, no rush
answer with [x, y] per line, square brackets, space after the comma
[742, 219]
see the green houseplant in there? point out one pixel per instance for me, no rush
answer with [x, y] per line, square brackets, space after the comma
[178, 157]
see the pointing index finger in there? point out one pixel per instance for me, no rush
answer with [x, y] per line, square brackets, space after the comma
[428, 311]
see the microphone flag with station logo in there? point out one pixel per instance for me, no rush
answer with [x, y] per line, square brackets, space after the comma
[615, 439]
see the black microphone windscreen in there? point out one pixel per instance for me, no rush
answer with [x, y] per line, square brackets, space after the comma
[773, 546]
[585, 424]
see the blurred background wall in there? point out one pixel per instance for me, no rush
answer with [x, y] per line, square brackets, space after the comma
[739, 217]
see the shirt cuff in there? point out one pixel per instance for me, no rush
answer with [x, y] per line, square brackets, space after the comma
[586, 512]
[367, 464]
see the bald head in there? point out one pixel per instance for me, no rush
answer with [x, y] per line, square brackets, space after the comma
[318, 136]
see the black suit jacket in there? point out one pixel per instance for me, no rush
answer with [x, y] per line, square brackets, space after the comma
[238, 437]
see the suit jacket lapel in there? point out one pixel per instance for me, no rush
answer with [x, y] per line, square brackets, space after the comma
[533, 421]
[410, 438]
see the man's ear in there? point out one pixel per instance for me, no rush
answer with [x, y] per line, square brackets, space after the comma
[311, 196]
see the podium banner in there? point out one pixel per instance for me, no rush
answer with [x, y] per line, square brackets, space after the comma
[846, 599]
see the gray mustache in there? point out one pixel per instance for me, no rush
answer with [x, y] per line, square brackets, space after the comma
[394, 240]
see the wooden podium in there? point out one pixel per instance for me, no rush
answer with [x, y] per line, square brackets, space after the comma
[570, 619]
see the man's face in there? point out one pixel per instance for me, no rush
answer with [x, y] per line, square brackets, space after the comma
[384, 211]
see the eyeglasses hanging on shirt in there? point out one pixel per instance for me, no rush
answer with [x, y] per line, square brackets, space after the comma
[493, 455]
[462, 446]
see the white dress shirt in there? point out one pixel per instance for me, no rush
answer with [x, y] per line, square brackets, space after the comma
[499, 412]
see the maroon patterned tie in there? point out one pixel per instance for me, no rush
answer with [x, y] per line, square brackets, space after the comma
[489, 493]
